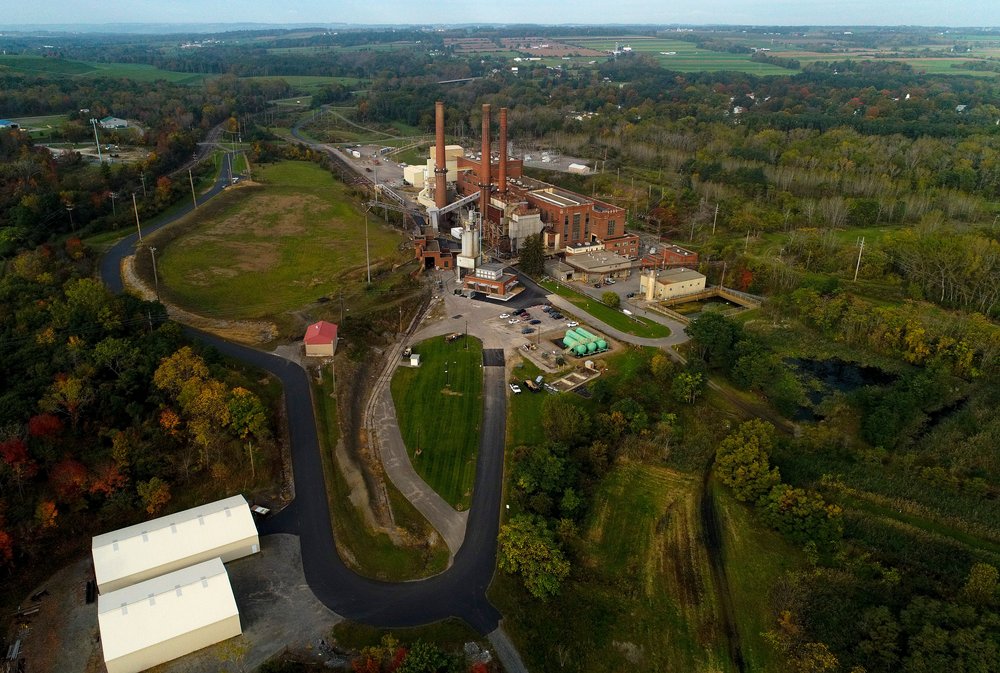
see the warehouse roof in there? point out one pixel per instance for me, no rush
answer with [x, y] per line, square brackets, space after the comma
[677, 275]
[152, 544]
[598, 262]
[165, 607]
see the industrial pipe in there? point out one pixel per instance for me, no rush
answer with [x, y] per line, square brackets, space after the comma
[440, 162]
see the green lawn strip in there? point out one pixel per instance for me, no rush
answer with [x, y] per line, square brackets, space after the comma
[524, 415]
[257, 251]
[450, 635]
[635, 325]
[755, 560]
[369, 553]
[439, 407]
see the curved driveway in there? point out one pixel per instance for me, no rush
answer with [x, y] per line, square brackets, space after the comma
[458, 592]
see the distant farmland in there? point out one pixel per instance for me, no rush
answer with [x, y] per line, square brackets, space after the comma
[681, 56]
[60, 67]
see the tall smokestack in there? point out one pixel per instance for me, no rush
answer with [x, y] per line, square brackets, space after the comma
[440, 162]
[503, 150]
[484, 172]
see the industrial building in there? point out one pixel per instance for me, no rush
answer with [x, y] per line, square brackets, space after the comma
[598, 265]
[510, 205]
[159, 619]
[669, 284]
[669, 256]
[491, 281]
[223, 529]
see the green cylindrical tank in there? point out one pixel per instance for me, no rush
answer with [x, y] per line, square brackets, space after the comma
[602, 345]
[592, 347]
[580, 349]
[570, 339]
[584, 333]
[582, 338]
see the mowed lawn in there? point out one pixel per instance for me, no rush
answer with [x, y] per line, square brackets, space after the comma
[439, 406]
[259, 251]
[686, 56]
[635, 325]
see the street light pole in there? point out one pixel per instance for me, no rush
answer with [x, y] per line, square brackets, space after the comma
[93, 122]
[136, 208]
[156, 277]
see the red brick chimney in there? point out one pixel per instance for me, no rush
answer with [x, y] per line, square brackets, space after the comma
[440, 162]
[503, 150]
[484, 166]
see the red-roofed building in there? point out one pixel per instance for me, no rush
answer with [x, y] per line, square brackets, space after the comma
[320, 339]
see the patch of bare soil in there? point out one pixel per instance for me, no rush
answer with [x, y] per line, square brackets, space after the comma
[251, 332]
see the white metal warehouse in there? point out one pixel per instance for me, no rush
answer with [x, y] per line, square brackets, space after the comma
[166, 617]
[223, 529]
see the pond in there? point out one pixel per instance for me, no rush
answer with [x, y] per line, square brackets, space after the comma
[822, 378]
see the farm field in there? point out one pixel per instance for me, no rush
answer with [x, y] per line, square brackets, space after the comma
[688, 57]
[265, 249]
[439, 406]
[307, 84]
[40, 65]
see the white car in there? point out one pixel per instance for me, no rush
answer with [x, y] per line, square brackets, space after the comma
[504, 315]
[572, 324]
[515, 389]
[513, 321]
[609, 281]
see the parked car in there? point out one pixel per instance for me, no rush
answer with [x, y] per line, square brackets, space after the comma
[557, 316]
[260, 511]
[515, 389]
[527, 330]
[630, 295]
[546, 308]
[609, 281]
[513, 321]
[597, 285]
[572, 323]
[536, 321]
[505, 315]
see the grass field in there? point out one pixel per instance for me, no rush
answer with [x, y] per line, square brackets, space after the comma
[686, 57]
[440, 407]
[643, 600]
[371, 553]
[41, 65]
[636, 326]
[260, 251]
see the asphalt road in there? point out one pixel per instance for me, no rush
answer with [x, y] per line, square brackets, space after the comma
[458, 592]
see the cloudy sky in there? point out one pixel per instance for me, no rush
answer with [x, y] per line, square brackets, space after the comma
[761, 12]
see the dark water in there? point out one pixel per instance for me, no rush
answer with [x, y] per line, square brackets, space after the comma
[833, 375]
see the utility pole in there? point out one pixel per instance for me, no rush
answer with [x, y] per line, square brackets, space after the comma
[193, 197]
[861, 249]
[722, 281]
[368, 261]
[69, 209]
[156, 277]
[142, 176]
[93, 122]
[114, 211]
[136, 208]
[400, 319]
[747, 244]
[341, 306]
[715, 219]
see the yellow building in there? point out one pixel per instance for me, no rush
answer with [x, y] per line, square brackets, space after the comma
[670, 284]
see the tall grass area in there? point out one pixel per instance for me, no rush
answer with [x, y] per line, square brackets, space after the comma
[439, 406]
[371, 553]
[642, 597]
[635, 325]
[259, 251]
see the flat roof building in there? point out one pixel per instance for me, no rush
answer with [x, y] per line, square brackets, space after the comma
[596, 266]
[166, 617]
[668, 284]
[223, 529]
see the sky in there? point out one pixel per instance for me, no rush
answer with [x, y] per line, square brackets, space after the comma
[602, 12]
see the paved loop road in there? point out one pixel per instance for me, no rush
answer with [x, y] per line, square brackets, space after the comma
[458, 592]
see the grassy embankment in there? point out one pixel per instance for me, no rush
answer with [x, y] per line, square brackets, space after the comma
[634, 325]
[440, 406]
[263, 251]
[369, 552]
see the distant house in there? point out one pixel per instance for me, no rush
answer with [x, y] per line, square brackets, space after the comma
[961, 108]
[7, 124]
[113, 123]
[320, 339]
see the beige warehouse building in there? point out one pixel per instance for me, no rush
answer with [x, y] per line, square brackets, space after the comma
[670, 284]
[223, 529]
[166, 617]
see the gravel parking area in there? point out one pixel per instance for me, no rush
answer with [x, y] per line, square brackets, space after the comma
[277, 610]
